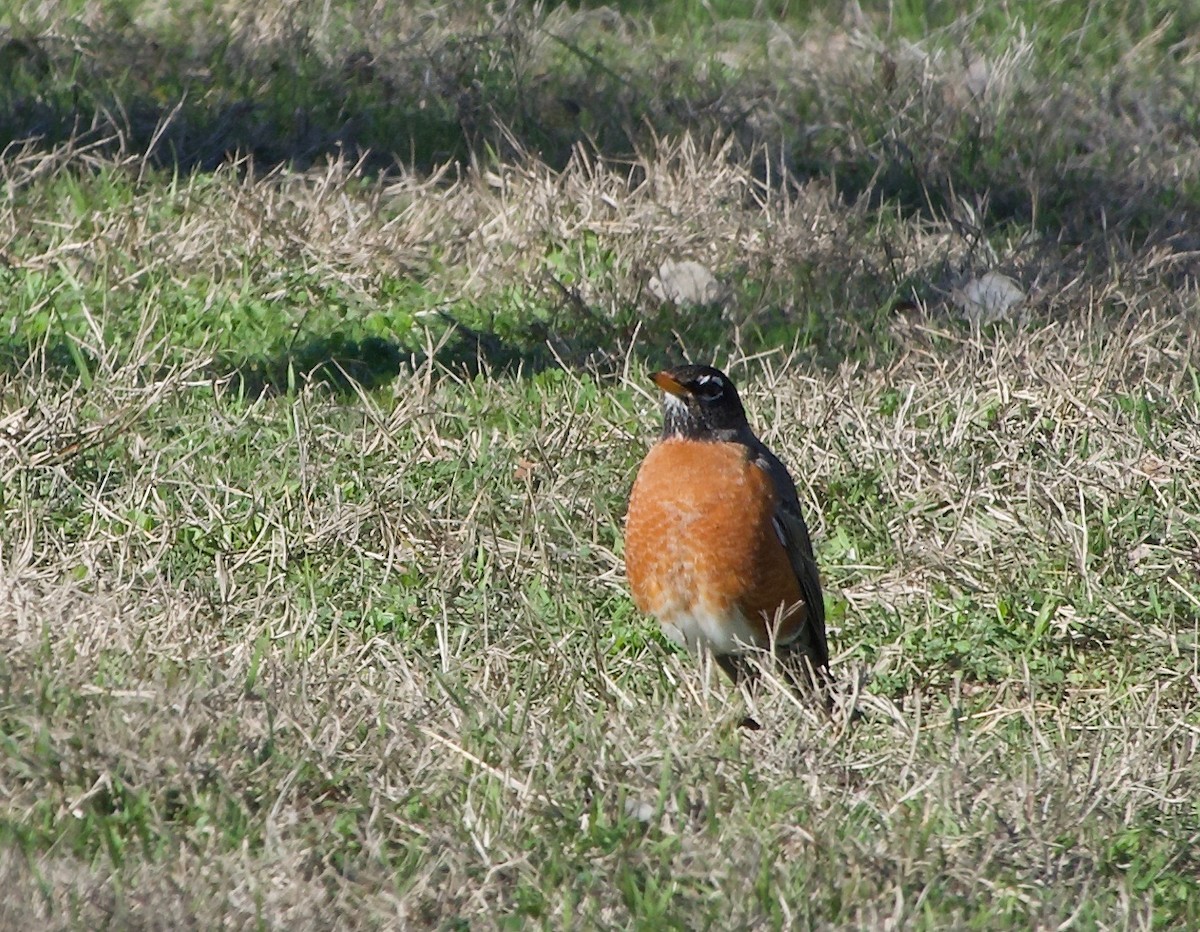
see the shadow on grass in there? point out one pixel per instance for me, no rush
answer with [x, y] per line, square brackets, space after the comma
[336, 362]
[192, 104]
[514, 86]
[342, 363]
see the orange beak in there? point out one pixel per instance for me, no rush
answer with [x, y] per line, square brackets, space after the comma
[664, 381]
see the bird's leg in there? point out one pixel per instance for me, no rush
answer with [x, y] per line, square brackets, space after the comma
[734, 667]
[742, 675]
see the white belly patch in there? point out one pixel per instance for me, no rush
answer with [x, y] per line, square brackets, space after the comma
[725, 634]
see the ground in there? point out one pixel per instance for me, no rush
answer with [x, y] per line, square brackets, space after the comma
[324, 362]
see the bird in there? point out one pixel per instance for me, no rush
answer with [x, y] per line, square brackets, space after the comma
[716, 547]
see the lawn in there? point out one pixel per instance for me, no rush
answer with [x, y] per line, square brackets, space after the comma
[324, 356]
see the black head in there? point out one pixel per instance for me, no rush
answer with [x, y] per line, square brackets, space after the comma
[700, 402]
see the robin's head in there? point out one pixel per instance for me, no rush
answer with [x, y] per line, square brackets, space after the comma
[700, 402]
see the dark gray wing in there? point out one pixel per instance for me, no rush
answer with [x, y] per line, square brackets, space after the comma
[789, 522]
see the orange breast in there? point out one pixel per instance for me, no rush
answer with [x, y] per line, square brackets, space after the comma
[699, 538]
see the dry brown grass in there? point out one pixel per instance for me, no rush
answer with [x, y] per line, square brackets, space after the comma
[366, 658]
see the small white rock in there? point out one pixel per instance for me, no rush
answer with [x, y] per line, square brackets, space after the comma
[685, 282]
[639, 809]
[988, 298]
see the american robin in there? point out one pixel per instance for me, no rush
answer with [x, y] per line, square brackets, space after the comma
[715, 545]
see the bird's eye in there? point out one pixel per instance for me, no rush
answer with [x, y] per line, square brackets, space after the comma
[709, 387]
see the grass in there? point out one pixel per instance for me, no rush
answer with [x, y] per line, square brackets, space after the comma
[314, 453]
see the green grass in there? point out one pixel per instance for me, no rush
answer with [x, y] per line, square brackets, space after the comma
[323, 381]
